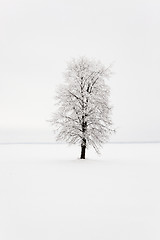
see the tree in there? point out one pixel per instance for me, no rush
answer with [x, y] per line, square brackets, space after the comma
[83, 115]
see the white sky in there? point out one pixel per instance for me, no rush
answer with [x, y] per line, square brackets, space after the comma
[37, 38]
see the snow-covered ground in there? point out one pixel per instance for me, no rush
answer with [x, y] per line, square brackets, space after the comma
[46, 192]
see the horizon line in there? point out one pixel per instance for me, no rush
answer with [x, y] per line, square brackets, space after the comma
[45, 143]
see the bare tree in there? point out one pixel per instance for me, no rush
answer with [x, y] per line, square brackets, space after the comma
[83, 115]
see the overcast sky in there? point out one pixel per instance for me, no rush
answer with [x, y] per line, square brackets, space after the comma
[38, 38]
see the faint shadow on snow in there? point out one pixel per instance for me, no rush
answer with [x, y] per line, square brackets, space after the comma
[92, 162]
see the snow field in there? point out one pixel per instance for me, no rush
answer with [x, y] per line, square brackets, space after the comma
[46, 192]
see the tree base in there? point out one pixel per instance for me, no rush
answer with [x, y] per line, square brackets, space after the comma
[83, 151]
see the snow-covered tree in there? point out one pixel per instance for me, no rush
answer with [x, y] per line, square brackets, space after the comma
[83, 115]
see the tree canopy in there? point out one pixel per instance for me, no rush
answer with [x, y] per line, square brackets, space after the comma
[84, 112]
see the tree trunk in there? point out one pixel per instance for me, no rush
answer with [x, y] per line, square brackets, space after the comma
[83, 149]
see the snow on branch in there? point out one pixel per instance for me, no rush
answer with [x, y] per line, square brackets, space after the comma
[84, 114]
